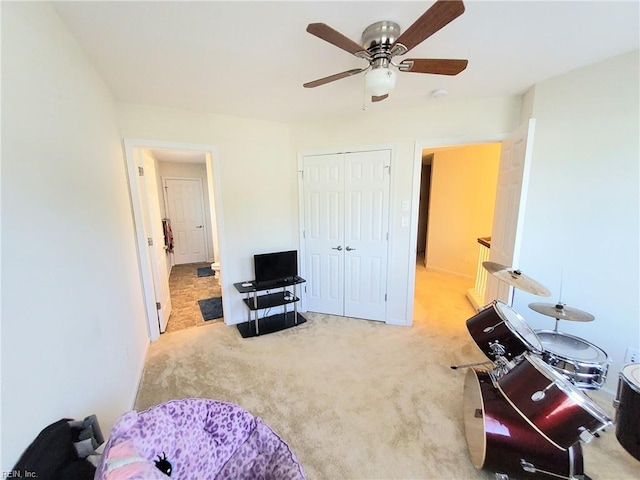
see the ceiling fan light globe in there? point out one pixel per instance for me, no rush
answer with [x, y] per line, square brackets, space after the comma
[379, 81]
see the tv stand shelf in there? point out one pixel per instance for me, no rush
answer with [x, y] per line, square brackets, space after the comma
[255, 302]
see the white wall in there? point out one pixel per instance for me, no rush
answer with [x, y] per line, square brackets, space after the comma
[448, 122]
[582, 209]
[189, 170]
[74, 335]
[258, 177]
[463, 194]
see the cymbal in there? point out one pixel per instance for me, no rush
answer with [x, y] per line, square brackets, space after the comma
[516, 278]
[560, 311]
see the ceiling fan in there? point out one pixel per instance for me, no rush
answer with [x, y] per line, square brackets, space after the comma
[382, 41]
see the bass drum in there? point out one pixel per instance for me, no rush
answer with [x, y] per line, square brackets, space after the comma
[627, 405]
[499, 330]
[499, 440]
[584, 364]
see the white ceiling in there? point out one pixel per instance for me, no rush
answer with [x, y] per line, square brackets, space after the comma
[251, 58]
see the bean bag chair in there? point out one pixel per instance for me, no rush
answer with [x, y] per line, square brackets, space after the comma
[196, 438]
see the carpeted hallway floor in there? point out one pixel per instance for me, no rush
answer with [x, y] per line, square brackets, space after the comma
[354, 399]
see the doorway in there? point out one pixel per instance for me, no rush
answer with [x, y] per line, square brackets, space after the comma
[177, 156]
[457, 194]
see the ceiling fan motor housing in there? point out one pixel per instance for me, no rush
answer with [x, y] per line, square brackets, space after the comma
[378, 37]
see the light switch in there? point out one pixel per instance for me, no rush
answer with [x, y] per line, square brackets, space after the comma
[405, 205]
[404, 221]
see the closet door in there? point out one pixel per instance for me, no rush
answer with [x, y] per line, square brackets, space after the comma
[346, 212]
[366, 227]
[323, 181]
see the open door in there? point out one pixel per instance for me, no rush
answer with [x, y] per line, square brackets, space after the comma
[153, 226]
[513, 181]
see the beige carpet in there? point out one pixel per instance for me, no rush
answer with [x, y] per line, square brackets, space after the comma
[354, 399]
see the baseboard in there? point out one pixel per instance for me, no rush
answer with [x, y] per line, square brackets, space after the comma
[399, 322]
[132, 402]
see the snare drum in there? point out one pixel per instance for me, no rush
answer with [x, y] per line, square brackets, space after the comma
[500, 331]
[499, 440]
[627, 405]
[551, 404]
[584, 364]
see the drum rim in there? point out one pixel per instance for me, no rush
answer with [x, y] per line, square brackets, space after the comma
[534, 348]
[570, 390]
[630, 381]
[606, 361]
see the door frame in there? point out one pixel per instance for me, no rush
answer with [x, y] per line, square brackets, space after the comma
[415, 200]
[214, 184]
[301, 220]
[207, 247]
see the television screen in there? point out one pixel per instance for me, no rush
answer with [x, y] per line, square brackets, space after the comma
[276, 266]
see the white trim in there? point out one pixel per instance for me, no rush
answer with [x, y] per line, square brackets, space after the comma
[415, 200]
[217, 224]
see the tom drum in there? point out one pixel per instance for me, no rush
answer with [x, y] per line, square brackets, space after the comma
[499, 440]
[627, 405]
[584, 364]
[551, 404]
[499, 330]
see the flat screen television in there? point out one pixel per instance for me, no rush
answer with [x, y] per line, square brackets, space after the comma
[276, 266]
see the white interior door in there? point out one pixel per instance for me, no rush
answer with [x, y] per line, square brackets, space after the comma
[186, 210]
[366, 232]
[323, 179]
[513, 179]
[346, 215]
[157, 251]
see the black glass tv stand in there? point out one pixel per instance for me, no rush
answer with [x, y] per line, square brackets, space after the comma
[285, 294]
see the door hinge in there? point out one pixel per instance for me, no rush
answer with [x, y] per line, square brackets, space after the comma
[304, 234]
[385, 297]
[141, 171]
[150, 241]
[302, 173]
[387, 236]
[388, 167]
[158, 306]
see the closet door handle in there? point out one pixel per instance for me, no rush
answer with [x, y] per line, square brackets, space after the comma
[339, 248]
[349, 249]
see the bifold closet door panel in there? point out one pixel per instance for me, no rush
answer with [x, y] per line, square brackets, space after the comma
[324, 233]
[366, 233]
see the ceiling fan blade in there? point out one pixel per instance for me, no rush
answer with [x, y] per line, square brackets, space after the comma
[375, 98]
[333, 78]
[438, 66]
[328, 34]
[440, 14]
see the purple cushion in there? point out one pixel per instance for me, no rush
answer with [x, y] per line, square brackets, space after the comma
[204, 438]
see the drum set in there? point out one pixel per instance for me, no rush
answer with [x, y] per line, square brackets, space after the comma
[526, 413]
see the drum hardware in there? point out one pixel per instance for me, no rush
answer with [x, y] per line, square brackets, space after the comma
[492, 327]
[467, 365]
[540, 394]
[531, 468]
[516, 279]
[497, 349]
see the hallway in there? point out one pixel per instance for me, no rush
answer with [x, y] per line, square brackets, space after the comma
[186, 289]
